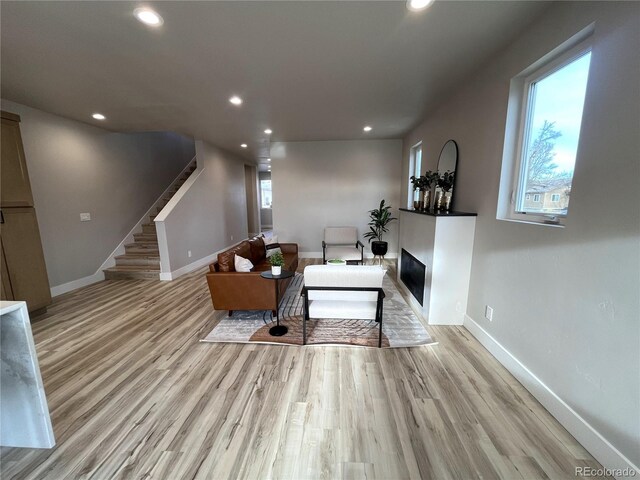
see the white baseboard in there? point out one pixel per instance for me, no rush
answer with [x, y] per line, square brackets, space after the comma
[75, 284]
[598, 446]
[191, 267]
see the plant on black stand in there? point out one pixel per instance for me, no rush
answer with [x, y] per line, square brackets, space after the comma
[379, 219]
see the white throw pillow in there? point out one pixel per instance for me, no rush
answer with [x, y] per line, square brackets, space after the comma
[242, 264]
[270, 240]
[271, 245]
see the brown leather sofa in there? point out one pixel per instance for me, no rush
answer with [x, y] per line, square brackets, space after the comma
[231, 290]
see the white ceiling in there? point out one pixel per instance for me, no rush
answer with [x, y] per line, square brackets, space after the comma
[308, 70]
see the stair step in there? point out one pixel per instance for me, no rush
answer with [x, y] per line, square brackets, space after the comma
[145, 237]
[126, 272]
[153, 217]
[148, 262]
[149, 228]
[150, 249]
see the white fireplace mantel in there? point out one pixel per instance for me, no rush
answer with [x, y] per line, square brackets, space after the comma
[443, 242]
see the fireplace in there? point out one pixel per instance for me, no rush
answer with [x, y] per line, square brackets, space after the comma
[412, 274]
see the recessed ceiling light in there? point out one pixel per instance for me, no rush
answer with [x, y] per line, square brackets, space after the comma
[367, 128]
[236, 100]
[418, 5]
[99, 116]
[268, 131]
[244, 145]
[268, 159]
[148, 17]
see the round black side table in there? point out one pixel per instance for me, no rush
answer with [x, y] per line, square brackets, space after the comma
[278, 330]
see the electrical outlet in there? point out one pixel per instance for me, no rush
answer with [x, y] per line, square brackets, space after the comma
[189, 253]
[85, 217]
[232, 238]
[488, 313]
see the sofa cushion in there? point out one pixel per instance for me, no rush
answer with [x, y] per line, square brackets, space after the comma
[354, 309]
[257, 249]
[343, 253]
[226, 258]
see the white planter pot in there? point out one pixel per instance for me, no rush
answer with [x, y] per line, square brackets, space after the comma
[276, 270]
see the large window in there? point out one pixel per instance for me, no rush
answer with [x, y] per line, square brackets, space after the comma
[549, 99]
[265, 193]
[415, 169]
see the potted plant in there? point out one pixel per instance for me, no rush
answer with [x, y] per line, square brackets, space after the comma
[445, 182]
[418, 183]
[429, 179]
[277, 261]
[424, 184]
[379, 219]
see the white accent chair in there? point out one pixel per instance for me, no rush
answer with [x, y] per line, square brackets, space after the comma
[342, 243]
[349, 292]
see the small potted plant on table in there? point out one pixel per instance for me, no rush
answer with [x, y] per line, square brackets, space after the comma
[379, 219]
[277, 261]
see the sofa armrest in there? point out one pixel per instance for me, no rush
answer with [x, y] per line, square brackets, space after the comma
[289, 247]
[243, 291]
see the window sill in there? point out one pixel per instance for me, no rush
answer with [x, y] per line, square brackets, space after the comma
[531, 222]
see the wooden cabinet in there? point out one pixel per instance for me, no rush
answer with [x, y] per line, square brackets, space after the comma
[15, 189]
[23, 273]
[23, 258]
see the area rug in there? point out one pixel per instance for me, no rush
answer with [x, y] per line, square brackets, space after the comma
[400, 326]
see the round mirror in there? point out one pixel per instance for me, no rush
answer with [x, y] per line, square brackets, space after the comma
[448, 162]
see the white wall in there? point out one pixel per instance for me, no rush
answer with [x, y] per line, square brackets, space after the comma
[566, 301]
[336, 183]
[210, 216]
[75, 167]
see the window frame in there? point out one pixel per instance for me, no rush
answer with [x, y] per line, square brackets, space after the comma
[262, 194]
[518, 119]
[415, 170]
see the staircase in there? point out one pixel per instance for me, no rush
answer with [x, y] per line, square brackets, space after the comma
[141, 259]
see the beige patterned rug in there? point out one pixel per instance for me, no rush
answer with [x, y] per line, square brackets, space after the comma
[400, 326]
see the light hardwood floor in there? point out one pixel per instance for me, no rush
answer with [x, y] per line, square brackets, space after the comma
[133, 394]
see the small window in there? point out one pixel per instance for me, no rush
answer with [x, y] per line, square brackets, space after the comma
[415, 169]
[265, 193]
[543, 132]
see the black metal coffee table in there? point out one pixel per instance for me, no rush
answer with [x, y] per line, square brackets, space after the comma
[278, 330]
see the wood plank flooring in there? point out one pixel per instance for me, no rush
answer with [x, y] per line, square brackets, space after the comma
[134, 395]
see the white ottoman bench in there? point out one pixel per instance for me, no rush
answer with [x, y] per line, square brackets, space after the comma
[350, 291]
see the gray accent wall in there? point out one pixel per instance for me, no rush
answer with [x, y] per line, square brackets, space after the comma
[566, 300]
[212, 213]
[334, 183]
[76, 167]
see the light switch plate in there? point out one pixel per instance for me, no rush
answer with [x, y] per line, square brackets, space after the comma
[85, 217]
[488, 313]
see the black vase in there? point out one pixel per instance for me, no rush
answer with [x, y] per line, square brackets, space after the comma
[379, 248]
